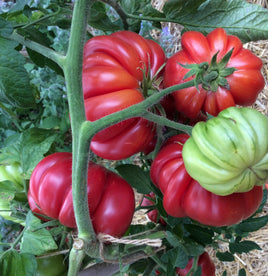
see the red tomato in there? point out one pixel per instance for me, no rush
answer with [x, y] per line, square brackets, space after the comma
[112, 76]
[183, 196]
[111, 199]
[244, 84]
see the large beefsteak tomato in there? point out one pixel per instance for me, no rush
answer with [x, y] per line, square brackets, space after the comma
[229, 153]
[243, 84]
[111, 199]
[183, 196]
[115, 68]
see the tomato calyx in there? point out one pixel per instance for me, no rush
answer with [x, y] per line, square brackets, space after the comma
[212, 75]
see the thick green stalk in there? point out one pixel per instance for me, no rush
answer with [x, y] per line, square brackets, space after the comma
[72, 68]
[138, 110]
[80, 145]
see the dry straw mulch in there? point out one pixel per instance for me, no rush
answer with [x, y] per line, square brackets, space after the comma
[255, 262]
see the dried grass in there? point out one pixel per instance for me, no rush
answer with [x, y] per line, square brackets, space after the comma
[254, 262]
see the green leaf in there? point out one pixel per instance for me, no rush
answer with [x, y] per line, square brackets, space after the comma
[35, 143]
[15, 88]
[34, 34]
[136, 177]
[5, 28]
[177, 8]
[98, 18]
[193, 249]
[225, 256]
[29, 148]
[242, 272]
[35, 241]
[247, 21]
[200, 234]
[252, 224]
[13, 263]
[243, 247]
[172, 239]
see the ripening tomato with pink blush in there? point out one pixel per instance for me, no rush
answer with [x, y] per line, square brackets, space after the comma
[111, 200]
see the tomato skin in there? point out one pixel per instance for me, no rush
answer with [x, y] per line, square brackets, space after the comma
[183, 196]
[51, 265]
[244, 84]
[50, 190]
[207, 266]
[112, 75]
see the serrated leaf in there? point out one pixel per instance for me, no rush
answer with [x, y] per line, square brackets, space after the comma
[136, 177]
[6, 28]
[200, 234]
[13, 263]
[98, 18]
[176, 8]
[243, 247]
[247, 21]
[15, 88]
[172, 239]
[252, 224]
[35, 143]
[36, 241]
[193, 249]
[29, 148]
[225, 256]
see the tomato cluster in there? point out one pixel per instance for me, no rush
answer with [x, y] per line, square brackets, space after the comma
[183, 196]
[214, 177]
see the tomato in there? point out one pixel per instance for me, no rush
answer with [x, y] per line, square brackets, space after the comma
[114, 69]
[13, 173]
[229, 153]
[111, 199]
[51, 265]
[242, 87]
[185, 197]
[207, 266]
[153, 215]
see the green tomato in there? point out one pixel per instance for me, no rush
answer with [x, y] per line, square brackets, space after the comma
[51, 266]
[12, 173]
[229, 153]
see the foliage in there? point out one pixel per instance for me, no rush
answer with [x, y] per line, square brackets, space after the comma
[42, 112]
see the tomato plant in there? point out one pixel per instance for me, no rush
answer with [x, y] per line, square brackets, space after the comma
[183, 196]
[237, 80]
[228, 153]
[82, 77]
[50, 193]
[114, 68]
